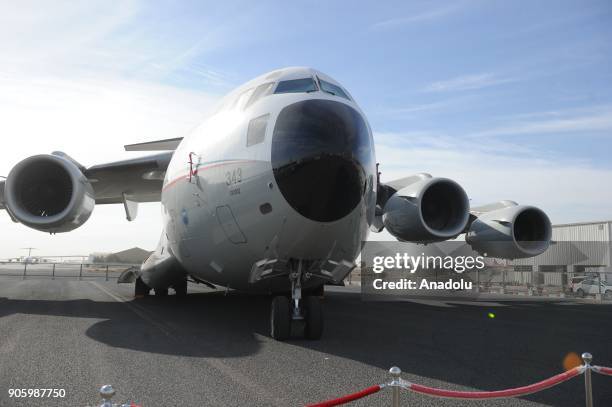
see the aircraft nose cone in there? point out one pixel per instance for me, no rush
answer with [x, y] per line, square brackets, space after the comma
[322, 158]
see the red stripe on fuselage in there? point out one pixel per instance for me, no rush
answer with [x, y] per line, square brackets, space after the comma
[203, 168]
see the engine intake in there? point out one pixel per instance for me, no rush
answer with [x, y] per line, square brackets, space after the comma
[429, 210]
[49, 193]
[511, 233]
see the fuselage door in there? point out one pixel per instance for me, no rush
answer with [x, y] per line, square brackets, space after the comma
[229, 225]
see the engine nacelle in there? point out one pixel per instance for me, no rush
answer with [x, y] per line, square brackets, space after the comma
[510, 233]
[49, 193]
[429, 210]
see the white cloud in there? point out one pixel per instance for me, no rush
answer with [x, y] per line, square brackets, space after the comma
[53, 35]
[468, 82]
[415, 109]
[596, 119]
[90, 120]
[439, 107]
[91, 117]
[418, 17]
[67, 83]
[117, 38]
[567, 190]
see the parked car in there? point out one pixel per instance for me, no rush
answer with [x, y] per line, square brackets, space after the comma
[574, 283]
[591, 286]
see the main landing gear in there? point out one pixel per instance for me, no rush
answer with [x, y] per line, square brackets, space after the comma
[302, 312]
[180, 289]
[141, 289]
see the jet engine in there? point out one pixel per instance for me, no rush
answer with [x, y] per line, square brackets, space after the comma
[428, 210]
[512, 232]
[49, 193]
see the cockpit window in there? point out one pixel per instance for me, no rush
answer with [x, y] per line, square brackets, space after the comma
[333, 89]
[260, 91]
[256, 132]
[296, 86]
[242, 99]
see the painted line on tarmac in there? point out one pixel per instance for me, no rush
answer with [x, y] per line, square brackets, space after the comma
[233, 374]
[136, 310]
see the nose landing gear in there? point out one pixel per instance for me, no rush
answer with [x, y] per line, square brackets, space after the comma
[282, 318]
[306, 314]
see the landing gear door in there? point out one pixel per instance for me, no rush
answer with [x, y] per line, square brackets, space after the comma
[229, 225]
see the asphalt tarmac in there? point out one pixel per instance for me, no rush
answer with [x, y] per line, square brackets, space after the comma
[213, 349]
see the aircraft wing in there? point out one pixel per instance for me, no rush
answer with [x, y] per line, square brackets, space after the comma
[126, 182]
[400, 183]
[137, 180]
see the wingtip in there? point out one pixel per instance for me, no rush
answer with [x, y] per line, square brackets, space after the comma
[157, 145]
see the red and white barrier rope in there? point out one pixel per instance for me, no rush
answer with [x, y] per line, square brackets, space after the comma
[349, 397]
[602, 370]
[497, 394]
[457, 394]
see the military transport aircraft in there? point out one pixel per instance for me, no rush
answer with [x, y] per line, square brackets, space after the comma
[274, 192]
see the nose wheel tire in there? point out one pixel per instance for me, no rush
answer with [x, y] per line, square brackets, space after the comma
[141, 289]
[280, 318]
[313, 318]
[303, 311]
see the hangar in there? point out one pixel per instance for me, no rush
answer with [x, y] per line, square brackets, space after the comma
[578, 250]
[135, 255]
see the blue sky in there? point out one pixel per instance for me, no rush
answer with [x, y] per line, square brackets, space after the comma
[534, 74]
[511, 99]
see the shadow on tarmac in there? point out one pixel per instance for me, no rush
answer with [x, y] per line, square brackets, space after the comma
[524, 343]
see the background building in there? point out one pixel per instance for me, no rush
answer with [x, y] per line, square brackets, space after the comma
[578, 250]
[135, 255]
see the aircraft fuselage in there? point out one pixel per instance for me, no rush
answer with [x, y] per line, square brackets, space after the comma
[269, 177]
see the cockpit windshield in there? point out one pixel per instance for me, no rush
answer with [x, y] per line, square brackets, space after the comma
[333, 89]
[296, 86]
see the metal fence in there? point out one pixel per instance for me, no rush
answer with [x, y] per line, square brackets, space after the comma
[544, 283]
[523, 281]
[63, 270]
[508, 280]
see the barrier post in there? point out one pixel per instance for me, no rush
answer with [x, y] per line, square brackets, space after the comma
[107, 272]
[599, 283]
[588, 390]
[81, 272]
[107, 392]
[25, 267]
[395, 373]
[53, 275]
